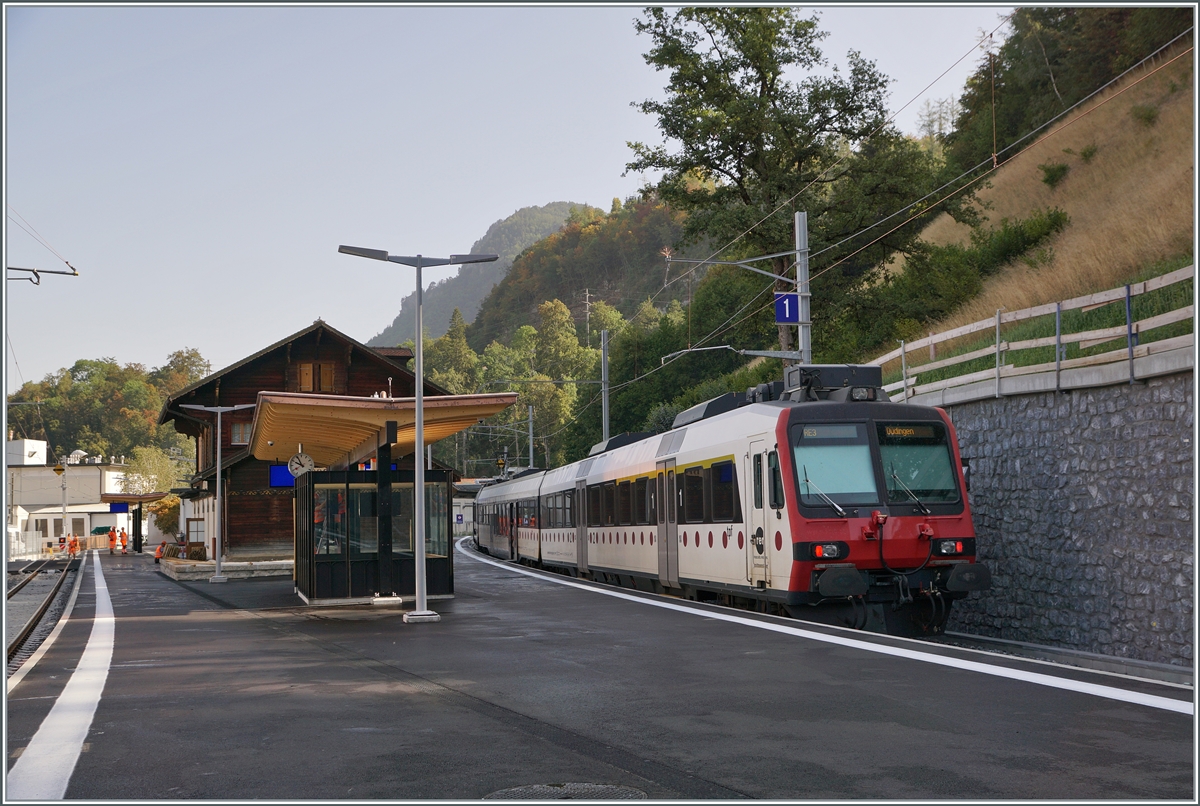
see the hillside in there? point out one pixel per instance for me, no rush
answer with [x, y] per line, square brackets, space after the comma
[616, 257]
[1128, 189]
[467, 289]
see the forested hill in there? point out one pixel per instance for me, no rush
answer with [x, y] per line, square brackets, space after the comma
[466, 290]
[616, 258]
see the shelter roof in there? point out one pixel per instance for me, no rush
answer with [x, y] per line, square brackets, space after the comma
[337, 429]
[131, 498]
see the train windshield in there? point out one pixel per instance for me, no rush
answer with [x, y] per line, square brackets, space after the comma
[917, 463]
[833, 465]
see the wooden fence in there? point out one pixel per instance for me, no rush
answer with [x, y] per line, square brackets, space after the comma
[909, 383]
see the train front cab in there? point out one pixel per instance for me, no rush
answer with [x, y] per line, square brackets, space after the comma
[881, 525]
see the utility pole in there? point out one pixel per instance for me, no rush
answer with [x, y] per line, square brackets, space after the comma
[804, 336]
[604, 379]
[587, 316]
[531, 437]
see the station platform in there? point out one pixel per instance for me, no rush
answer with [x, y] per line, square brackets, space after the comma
[534, 686]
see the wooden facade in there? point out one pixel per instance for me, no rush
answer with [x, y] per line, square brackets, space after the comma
[258, 518]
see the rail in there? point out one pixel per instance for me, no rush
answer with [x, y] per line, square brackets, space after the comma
[31, 625]
[910, 376]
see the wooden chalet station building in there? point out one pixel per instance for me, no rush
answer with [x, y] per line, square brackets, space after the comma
[347, 524]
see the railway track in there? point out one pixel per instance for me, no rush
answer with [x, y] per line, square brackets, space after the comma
[16, 645]
[28, 577]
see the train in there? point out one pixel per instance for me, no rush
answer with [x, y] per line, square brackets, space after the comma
[815, 497]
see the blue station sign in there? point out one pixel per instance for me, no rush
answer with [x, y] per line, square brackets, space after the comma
[787, 309]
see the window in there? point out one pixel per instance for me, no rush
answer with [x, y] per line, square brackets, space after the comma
[239, 433]
[758, 498]
[693, 495]
[641, 488]
[315, 377]
[668, 501]
[77, 527]
[39, 526]
[593, 505]
[568, 508]
[609, 503]
[624, 504]
[833, 463]
[916, 456]
[776, 480]
[724, 493]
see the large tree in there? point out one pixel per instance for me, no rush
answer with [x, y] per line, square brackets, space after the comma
[754, 133]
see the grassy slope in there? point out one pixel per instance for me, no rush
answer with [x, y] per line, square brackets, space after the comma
[1131, 206]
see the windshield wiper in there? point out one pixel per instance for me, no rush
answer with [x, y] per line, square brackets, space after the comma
[911, 494]
[841, 512]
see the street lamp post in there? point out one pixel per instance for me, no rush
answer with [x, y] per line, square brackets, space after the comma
[422, 612]
[217, 577]
[61, 470]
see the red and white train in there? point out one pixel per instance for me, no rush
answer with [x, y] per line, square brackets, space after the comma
[816, 497]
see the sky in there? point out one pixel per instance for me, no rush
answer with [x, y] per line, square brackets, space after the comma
[200, 166]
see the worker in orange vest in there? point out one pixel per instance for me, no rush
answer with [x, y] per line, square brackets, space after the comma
[158, 552]
[124, 542]
[73, 547]
[112, 540]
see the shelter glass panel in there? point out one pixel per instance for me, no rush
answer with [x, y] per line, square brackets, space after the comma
[329, 520]
[363, 522]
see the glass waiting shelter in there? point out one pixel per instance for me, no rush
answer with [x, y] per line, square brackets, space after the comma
[339, 543]
[354, 527]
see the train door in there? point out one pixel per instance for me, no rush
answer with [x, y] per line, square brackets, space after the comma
[579, 511]
[513, 523]
[668, 529]
[756, 523]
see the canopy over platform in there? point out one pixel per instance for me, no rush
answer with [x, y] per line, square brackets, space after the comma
[338, 430]
[131, 498]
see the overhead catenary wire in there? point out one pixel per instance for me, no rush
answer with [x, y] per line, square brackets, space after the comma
[787, 202]
[999, 164]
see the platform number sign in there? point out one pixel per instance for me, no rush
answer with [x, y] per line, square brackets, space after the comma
[787, 309]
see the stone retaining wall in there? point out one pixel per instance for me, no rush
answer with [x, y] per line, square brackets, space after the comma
[1082, 502]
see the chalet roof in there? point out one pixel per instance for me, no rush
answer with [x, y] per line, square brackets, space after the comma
[393, 356]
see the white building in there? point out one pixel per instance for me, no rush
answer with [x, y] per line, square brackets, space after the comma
[34, 497]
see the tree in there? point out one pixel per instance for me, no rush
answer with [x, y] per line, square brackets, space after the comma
[150, 470]
[762, 145]
[166, 514]
[450, 361]
[559, 354]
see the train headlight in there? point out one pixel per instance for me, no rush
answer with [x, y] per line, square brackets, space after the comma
[950, 547]
[826, 551]
[862, 393]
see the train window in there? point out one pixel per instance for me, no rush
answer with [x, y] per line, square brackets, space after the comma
[640, 506]
[693, 495]
[757, 473]
[662, 486]
[593, 505]
[568, 509]
[674, 500]
[776, 480]
[916, 456]
[608, 500]
[833, 465]
[624, 503]
[725, 507]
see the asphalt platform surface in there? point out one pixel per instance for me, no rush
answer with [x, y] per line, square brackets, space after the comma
[236, 691]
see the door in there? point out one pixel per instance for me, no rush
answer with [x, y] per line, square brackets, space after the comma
[512, 532]
[757, 523]
[579, 512]
[668, 529]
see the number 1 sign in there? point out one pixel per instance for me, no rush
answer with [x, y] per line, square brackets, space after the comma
[787, 309]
